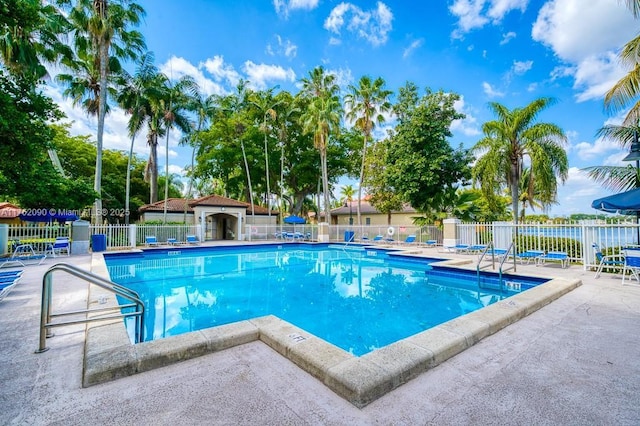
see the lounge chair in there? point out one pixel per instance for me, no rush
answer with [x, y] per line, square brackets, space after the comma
[174, 242]
[60, 245]
[607, 261]
[431, 243]
[458, 248]
[631, 263]
[497, 252]
[411, 239]
[192, 239]
[476, 248]
[555, 256]
[22, 255]
[150, 240]
[8, 282]
[377, 238]
[529, 255]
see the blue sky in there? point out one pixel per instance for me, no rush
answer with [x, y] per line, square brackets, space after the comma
[507, 51]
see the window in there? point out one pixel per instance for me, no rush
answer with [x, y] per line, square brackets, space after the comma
[350, 221]
[368, 221]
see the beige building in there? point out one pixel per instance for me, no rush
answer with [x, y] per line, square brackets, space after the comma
[223, 218]
[348, 215]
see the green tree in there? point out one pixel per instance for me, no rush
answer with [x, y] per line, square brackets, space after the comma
[347, 192]
[265, 103]
[101, 30]
[30, 37]
[422, 166]
[383, 195]
[617, 178]
[321, 118]
[514, 136]
[366, 103]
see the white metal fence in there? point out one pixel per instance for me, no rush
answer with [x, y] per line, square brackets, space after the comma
[39, 235]
[575, 239]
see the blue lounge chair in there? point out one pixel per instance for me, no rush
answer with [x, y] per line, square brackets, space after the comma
[22, 255]
[411, 239]
[631, 263]
[476, 248]
[555, 256]
[431, 243]
[8, 282]
[150, 240]
[529, 255]
[377, 238]
[192, 239]
[608, 261]
[458, 248]
[60, 245]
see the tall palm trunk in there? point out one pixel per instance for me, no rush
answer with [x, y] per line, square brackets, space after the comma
[266, 167]
[325, 179]
[515, 185]
[152, 169]
[100, 7]
[364, 155]
[166, 177]
[246, 166]
[127, 194]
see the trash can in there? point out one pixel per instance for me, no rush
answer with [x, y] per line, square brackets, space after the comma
[348, 236]
[98, 242]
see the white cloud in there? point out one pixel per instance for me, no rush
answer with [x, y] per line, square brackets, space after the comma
[490, 91]
[468, 126]
[506, 38]
[596, 150]
[373, 26]
[586, 40]
[260, 75]
[176, 68]
[283, 47]
[220, 71]
[283, 7]
[474, 14]
[413, 46]
[521, 67]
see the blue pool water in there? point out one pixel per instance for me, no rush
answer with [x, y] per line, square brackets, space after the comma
[358, 300]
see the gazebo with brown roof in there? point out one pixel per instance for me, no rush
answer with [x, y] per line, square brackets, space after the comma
[223, 218]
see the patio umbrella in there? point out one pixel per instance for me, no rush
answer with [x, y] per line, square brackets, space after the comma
[623, 203]
[43, 215]
[293, 219]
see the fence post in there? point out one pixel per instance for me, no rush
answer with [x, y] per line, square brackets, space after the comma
[133, 235]
[450, 232]
[4, 238]
[80, 237]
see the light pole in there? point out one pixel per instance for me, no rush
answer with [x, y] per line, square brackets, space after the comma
[634, 155]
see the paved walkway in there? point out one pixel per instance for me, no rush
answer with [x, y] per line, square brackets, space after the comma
[574, 362]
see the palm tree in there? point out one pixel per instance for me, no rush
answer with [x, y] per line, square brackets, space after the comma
[617, 178]
[265, 103]
[30, 35]
[101, 30]
[626, 90]
[510, 139]
[366, 104]
[529, 194]
[204, 108]
[321, 118]
[132, 97]
[347, 193]
[287, 112]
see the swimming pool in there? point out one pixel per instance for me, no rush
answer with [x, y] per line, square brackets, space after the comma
[357, 299]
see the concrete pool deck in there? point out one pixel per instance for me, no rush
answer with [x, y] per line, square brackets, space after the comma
[574, 361]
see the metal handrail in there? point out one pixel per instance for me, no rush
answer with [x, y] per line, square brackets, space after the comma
[504, 259]
[117, 289]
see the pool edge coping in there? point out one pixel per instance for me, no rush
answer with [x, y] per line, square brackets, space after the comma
[109, 354]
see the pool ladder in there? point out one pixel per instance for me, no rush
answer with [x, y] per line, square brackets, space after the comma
[45, 308]
[501, 267]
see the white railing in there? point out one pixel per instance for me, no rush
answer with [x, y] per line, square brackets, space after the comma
[397, 233]
[39, 235]
[575, 239]
[164, 232]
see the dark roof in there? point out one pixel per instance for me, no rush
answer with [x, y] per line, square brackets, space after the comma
[9, 211]
[173, 205]
[366, 208]
[176, 205]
